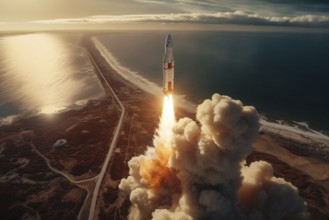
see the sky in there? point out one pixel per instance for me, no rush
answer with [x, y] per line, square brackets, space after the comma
[259, 12]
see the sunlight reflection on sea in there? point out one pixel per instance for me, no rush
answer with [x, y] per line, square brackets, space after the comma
[44, 73]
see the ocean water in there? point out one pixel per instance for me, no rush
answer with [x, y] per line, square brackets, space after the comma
[284, 75]
[44, 73]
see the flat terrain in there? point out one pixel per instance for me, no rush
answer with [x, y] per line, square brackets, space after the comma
[26, 181]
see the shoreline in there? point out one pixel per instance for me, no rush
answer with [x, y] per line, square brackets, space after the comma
[141, 82]
[10, 119]
[278, 145]
[85, 128]
[305, 135]
[150, 87]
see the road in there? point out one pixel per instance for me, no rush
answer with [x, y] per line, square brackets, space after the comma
[68, 177]
[112, 145]
[60, 172]
[100, 176]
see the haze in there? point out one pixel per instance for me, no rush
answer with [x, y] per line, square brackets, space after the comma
[47, 14]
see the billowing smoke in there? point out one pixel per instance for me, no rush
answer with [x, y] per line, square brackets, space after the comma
[198, 171]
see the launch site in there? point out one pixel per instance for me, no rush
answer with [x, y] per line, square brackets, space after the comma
[100, 140]
[141, 110]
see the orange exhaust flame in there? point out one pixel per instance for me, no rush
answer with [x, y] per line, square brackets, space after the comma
[154, 170]
[167, 120]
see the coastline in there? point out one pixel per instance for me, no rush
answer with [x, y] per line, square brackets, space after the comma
[287, 148]
[86, 128]
[141, 82]
[61, 80]
[150, 87]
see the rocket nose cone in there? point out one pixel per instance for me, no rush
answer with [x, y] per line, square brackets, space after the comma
[169, 42]
[169, 37]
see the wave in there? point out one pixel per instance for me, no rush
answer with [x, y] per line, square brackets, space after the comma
[79, 104]
[294, 130]
[8, 120]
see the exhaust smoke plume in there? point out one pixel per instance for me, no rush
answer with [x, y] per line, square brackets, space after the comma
[196, 169]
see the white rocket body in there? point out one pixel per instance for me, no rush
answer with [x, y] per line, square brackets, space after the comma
[168, 67]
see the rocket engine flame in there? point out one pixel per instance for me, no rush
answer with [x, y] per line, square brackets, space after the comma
[196, 170]
[167, 120]
[155, 172]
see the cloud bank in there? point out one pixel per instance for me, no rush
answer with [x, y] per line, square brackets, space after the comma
[236, 17]
[201, 173]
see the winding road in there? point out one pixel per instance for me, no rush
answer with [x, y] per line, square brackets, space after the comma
[68, 177]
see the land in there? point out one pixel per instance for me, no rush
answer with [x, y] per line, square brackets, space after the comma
[308, 173]
[39, 180]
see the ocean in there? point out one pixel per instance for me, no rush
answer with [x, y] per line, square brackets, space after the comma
[284, 75]
[44, 73]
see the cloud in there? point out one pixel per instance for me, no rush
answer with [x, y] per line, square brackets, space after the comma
[310, 19]
[236, 17]
[17, 10]
[200, 173]
[308, 6]
[149, 1]
[298, 2]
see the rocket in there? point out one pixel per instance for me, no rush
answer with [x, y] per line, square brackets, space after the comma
[168, 67]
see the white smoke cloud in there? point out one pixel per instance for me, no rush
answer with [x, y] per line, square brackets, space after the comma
[202, 175]
[270, 197]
